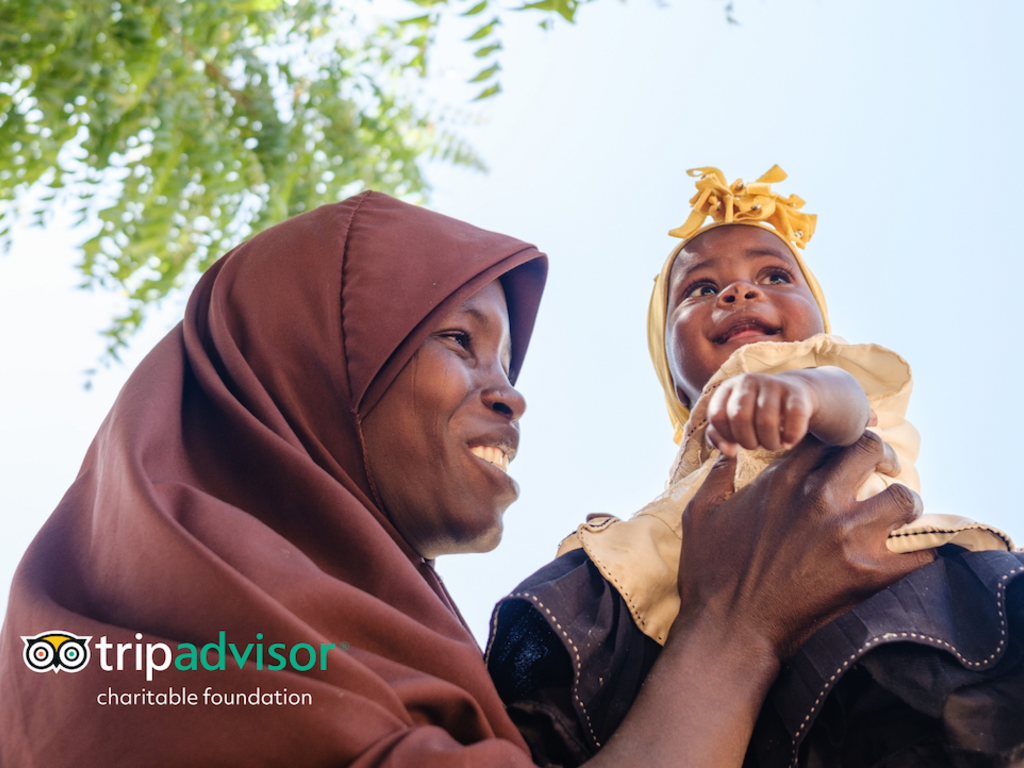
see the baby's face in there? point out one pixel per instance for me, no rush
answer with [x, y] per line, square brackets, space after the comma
[732, 286]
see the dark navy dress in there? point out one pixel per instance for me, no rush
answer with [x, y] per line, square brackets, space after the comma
[929, 672]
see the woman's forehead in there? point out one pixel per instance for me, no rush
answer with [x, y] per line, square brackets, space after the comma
[493, 293]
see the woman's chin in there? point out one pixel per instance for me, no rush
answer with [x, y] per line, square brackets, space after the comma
[469, 542]
[490, 542]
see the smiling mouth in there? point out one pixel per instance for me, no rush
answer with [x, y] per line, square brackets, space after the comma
[745, 329]
[492, 455]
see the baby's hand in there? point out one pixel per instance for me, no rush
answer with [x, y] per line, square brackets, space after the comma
[772, 411]
[778, 410]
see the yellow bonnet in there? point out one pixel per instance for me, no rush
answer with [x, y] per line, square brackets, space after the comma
[752, 204]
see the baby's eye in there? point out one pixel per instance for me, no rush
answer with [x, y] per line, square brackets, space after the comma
[779, 278]
[703, 289]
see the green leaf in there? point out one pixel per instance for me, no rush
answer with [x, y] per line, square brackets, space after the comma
[487, 93]
[486, 74]
[485, 30]
[487, 50]
[564, 8]
[257, 5]
[419, 62]
[418, 21]
[478, 8]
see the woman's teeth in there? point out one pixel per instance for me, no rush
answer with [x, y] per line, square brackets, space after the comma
[491, 455]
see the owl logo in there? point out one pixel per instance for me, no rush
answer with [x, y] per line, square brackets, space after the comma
[56, 650]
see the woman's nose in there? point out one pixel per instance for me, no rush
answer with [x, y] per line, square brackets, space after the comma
[740, 291]
[505, 399]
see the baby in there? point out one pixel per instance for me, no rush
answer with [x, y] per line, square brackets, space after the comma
[739, 335]
[737, 330]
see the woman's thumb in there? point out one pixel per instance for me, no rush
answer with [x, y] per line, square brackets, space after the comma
[717, 487]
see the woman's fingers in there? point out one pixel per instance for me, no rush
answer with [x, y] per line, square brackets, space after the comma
[794, 548]
[856, 462]
[897, 505]
[867, 524]
[805, 457]
[894, 507]
[890, 463]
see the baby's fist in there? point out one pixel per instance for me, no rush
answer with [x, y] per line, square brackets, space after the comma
[772, 411]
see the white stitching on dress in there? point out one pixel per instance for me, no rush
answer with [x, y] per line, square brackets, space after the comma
[1001, 595]
[576, 664]
[957, 529]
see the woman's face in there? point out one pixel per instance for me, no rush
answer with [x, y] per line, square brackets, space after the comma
[439, 441]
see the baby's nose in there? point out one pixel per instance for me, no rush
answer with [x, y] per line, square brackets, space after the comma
[740, 291]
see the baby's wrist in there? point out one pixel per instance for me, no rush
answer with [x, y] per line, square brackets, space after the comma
[841, 410]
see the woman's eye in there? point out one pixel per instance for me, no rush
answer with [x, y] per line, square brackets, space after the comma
[703, 289]
[459, 337]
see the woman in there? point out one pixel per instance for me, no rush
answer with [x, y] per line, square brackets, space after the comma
[242, 572]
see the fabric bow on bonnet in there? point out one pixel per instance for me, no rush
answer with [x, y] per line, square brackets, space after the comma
[740, 203]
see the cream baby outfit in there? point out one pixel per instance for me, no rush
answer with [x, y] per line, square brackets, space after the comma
[640, 556]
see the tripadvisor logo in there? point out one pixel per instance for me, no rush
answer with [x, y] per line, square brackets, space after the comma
[56, 650]
[59, 650]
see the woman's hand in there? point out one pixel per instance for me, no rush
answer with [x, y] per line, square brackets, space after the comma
[793, 549]
[760, 570]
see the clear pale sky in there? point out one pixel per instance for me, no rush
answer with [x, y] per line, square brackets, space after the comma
[899, 124]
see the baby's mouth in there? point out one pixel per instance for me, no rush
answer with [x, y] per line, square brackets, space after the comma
[492, 455]
[745, 329]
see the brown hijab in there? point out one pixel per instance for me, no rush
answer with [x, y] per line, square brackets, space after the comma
[226, 492]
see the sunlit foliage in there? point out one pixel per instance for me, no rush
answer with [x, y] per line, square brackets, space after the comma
[215, 118]
[186, 125]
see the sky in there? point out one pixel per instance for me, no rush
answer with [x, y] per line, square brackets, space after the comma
[899, 124]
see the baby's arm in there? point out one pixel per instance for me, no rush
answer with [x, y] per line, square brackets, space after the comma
[777, 410]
